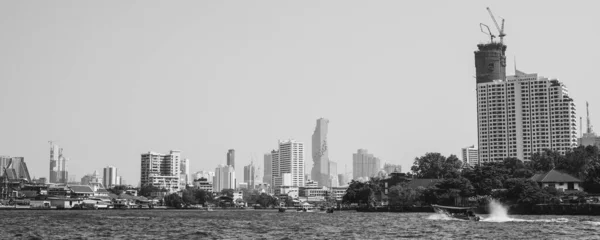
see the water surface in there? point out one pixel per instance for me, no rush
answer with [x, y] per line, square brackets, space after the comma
[269, 224]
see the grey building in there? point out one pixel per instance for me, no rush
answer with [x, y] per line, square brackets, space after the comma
[320, 153]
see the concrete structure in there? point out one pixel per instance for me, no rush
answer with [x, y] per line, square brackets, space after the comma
[342, 180]
[161, 170]
[490, 62]
[184, 174]
[291, 160]
[224, 178]
[320, 153]
[524, 114]
[268, 166]
[209, 175]
[203, 184]
[287, 190]
[231, 158]
[364, 165]
[470, 156]
[589, 138]
[58, 165]
[333, 174]
[93, 178]
[16, 168]
[311, 183]
[249, 175]
[275, 174]
[110, 177]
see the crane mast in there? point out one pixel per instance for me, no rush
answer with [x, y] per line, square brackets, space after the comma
[501, 33]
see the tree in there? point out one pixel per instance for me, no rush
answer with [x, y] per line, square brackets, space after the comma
[202, 196]
[401, 195]
[117, 189]
[521, 190]
[189, 196]
[147, 190]
[174, 200]
[435, 165]
[227, 192]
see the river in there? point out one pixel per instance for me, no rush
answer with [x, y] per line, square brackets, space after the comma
[269, 224]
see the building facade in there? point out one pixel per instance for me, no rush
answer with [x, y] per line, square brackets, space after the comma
[364, 165]
[161, 170]
[94, 178]
[58, 165]
[224, 178]
[268, 168]
[390, 168]
[231, 158]
[208, 175]
[16, 168]
[184, 174]
[320, 153]
[291, 160]
[249, 175]
[110, 177]
[522, 115]
[470, 156]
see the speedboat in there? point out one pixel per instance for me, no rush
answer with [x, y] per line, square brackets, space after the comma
[462, 213]
[282, 209]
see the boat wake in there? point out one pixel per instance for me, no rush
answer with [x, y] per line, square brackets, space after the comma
[499, 213]
[440, 216]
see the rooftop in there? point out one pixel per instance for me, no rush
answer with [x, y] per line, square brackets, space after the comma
[553, 176]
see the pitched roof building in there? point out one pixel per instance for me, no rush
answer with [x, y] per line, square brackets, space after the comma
[558, 180]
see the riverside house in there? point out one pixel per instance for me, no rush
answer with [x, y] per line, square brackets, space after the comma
[559, 180]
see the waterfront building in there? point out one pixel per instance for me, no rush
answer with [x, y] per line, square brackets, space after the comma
[161, 170]
[290, 160]
[338, 192]
[559, 180]
[16, 168]
[320, 153]
[268, 166]
[291, 191]
[243, 185]
[224, 178]
[522, 115]
[208, 175]
[275, 169]
[365, 165]
[470, 156]
[231, 158]
[203, 184]
[184, 174]
[110, 177]
[58, 165]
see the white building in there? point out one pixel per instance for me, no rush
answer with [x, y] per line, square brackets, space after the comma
[470, 155]
[203, 184]
[524, 114]
[364, 164]
[161, 170]
[110, 177]
[290, 159]
[249, 175]
[185, 178]
[224, 178]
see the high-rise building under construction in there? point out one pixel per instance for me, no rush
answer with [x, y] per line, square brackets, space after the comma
[519, 115]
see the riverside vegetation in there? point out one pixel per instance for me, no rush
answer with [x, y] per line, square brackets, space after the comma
[508, 181]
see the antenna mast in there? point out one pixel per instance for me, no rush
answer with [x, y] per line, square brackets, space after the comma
[589, 125]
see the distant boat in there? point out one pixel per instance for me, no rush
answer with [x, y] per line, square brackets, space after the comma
[463, 213]
[282, 209]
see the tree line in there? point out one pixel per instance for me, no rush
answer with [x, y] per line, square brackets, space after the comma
[509, 180]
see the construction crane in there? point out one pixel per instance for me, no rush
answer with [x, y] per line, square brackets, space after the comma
[500, 29]
[5, 178]
[489, 32]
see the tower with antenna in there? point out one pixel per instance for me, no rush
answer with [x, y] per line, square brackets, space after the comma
[490, 58]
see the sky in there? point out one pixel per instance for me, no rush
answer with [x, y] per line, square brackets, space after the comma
[110, 80]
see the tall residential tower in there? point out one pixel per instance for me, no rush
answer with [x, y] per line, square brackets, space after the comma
[320, 154]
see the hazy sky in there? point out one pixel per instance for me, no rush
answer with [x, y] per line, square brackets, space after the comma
[110, 80]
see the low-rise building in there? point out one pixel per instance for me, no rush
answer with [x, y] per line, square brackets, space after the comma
[559, 180]
[81, 191]
[203, 184]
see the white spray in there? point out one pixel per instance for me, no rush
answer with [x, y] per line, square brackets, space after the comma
[498, 212]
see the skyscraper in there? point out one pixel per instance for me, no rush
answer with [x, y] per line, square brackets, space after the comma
[275, 173]
[58, 165]
[470, 155]
[524, 114]
[333, 174]
[110, 177]
[320, 153]
[161, 170]
[268, 166]
[231, 158]
[249, 175]
[224, 178]
[364, 164]
[185, 173]
[290, 159]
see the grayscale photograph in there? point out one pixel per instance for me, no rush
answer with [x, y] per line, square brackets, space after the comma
[299, 119]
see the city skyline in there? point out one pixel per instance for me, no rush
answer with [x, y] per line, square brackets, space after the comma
[222, 61]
